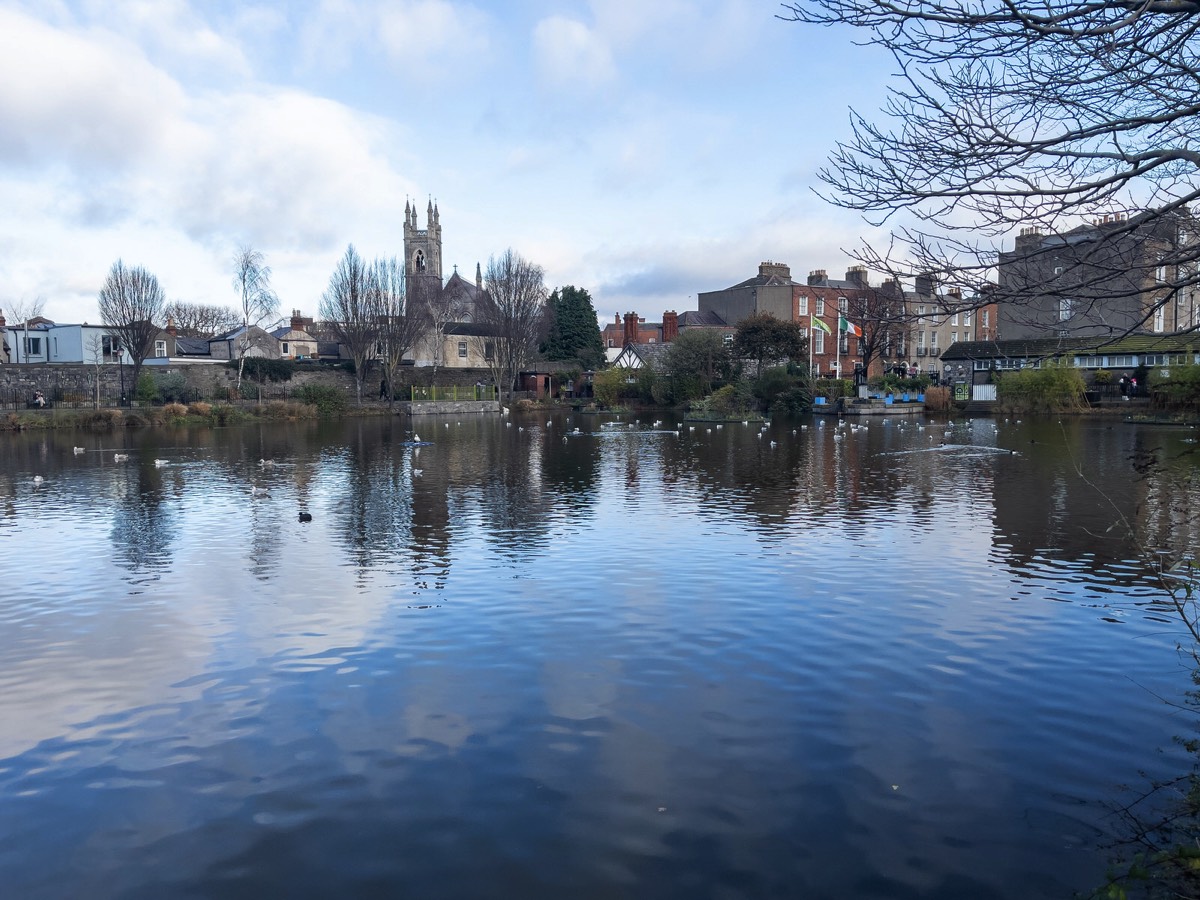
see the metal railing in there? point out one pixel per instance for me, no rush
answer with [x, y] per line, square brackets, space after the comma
[453, 392]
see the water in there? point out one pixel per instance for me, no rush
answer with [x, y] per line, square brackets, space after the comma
[516, 661]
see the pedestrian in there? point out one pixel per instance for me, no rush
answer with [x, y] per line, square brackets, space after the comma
[383, 389]
[39, 400]
[1123, 383]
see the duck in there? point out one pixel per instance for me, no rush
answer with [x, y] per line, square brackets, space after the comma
[266, 463]
[305, 517]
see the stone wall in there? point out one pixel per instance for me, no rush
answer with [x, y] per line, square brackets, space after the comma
[72, 385]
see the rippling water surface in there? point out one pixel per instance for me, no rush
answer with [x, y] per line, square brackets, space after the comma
[512, 660]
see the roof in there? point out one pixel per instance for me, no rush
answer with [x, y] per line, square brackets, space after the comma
[189, 346]
[470, 329]
[761, 281]
[646, 355]
[1046, 347]
[693, 318]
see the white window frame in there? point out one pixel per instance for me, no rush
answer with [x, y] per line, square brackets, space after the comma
[804, 305]
[462, 349]
[160, 349]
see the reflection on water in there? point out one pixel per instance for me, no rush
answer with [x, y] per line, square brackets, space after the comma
[912, 659]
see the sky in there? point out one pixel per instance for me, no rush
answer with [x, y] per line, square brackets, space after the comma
[645, 151]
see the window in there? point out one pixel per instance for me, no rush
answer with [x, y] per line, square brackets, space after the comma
[985, 320]
[610, 342]
[110, 347]
[818, 340]
[843, 305]
[1159, 319]
[954, 318]
[921, 310]
[285, 349]
[1160, 273]
[160, 349]
[820, 310]
[462, 349]
[967, 318]
[1058, 270]
[804, 306]
[1125, 361]
[932, 340]
[727, 338]
[489, 351]
[953, 337]
[1088, 362]
[1064, 309]
[921, 339]
[33, 346]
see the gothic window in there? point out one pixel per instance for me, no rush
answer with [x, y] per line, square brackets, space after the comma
[420, 261]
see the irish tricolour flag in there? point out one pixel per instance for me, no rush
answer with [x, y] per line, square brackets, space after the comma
[849, 327]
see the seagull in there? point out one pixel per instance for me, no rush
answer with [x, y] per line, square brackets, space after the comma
[38, 479]
[78, 450]
[416, 438]
[159, 463]
[418, 472]
[120, 457]
[256, 491]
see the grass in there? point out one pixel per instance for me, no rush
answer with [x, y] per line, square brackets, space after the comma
[169, 415]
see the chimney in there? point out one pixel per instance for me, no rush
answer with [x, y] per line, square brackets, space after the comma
[954, 293]
[857, 275]
[171, 330]
[770, 269]
[297, 321]
[670, 326]
[816, 276]
[631, 328]
[2, 322]
[923, 285]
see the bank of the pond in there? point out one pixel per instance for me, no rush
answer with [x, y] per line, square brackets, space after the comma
[179, 414]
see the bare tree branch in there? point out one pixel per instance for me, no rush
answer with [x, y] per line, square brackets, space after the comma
[131, 302]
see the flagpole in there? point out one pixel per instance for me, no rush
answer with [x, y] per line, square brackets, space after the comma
[810, 343]
[837, 343]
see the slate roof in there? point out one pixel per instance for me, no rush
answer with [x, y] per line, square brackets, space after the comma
[1033, 348]
[693, 318]
[190, 346]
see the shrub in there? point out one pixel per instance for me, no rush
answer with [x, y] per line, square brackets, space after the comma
[200, 408]
[732, 400]
[609, 386]
[262, 370]
[224, 414]
[329, 401]
[174, 411]
[147, 389]
[775, 383]
[1102, 376]
[171, 386]
[1180, 387]
[287, 409]
[1052, 388]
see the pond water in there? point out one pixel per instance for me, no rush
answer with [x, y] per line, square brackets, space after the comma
[634, 661]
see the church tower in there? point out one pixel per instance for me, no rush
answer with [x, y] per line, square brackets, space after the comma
[423, 246]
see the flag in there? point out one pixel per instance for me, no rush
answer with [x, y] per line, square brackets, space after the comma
[817, 323]
[849, 327]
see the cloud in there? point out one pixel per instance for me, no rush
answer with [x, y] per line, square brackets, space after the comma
[84, 102]
[432, 41]
[569, 54]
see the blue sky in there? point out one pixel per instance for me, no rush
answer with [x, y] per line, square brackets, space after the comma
[644, 151]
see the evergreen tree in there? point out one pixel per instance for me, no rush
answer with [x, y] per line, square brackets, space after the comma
[574, 329]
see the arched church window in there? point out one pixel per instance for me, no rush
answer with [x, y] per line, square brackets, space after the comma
[420, 260]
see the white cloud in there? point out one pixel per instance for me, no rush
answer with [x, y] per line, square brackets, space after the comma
[63, 97]
[570, 53]
[434, 41]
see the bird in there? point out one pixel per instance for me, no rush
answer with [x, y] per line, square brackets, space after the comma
[38, 479]
[120, 457]
[305, 517]
[416, 438]
[159, 463]
[266, 463]
[78, 450]
[418, 472]
[256, 491]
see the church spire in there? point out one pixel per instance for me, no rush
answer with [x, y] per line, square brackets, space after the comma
[478, 277]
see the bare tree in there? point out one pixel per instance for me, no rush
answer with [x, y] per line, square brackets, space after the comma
[95, 352]
[201, 320]
[130, 302]
[512, 315]
[24, 311]
[444, 307]
[347, 310]
[1041, 114]
[884, 319]
[400, 322]
[256, 300]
